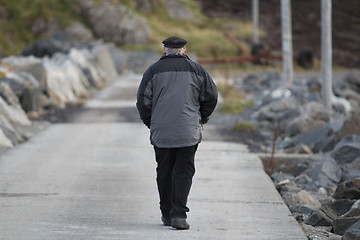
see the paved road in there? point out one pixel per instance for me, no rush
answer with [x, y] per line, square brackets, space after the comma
[93, 177]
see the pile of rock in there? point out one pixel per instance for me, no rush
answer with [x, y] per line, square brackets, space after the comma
[56, 72]
[297, 112]
[30, 86]
[322, 190]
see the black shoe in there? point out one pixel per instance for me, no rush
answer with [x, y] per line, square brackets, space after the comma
[166, 221]
[180, 223]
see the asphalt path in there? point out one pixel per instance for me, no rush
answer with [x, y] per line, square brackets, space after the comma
[93, 177]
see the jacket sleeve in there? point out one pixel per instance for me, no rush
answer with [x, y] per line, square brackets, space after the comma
[208, 98]
[144, 98]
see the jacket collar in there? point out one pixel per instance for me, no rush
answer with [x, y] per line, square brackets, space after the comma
[174, 56]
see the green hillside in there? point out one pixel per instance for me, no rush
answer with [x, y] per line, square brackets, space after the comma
[18, 20]
[21, 23]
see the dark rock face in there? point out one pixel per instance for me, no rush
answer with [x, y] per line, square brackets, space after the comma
[114, 22]
[322, 217]
[354, 210]
[352, 233]
[327, 174]
[348, 190]
[347, 150]
[354, 80]
[342, 224]
[143, 5]
[178, 11]
[350, 173]
[46, 47]
[341, 206]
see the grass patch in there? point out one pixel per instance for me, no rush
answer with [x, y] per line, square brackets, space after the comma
[17, 24]
[244, 126]
[234, 107]
[233, 99]
[204, 36]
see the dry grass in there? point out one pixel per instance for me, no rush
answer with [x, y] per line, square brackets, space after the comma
[234, 102]
[244, 126]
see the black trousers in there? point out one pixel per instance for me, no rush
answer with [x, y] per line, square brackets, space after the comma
[175, 170]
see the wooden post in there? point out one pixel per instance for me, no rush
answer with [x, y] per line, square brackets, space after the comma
[326, 53]
[255, 21]
[287, 64]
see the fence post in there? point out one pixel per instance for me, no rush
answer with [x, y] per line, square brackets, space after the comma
[287, 64]
[326, 53]
[255, 21]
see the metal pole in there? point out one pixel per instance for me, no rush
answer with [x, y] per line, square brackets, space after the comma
[288, 73]
[326, 53]
[255, 21]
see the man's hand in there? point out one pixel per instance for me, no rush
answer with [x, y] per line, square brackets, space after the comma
[204, 120]
[147, 123]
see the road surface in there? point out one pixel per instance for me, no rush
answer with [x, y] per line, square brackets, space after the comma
[93, 177]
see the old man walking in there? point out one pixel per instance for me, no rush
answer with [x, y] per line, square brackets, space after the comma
[175, 98]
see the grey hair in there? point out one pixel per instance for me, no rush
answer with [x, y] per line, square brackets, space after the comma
[174, 50]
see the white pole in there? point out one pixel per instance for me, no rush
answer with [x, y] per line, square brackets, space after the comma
[255, 21]
[326, 53]
[288, 73]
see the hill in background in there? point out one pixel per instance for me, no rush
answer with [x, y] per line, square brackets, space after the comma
[143, 24]
[132, 24]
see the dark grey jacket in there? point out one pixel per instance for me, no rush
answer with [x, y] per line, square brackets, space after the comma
[175, 96]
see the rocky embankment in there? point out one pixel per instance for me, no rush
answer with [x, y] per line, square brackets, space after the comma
[31, 87]
[34, 87]
[68, 67]
[322, 188]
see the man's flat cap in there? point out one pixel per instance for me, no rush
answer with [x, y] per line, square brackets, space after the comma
[174, 42]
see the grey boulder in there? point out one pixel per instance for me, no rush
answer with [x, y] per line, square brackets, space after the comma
[114, 22]
[347, 150]
[349, 189]
[327, 174]
[352, 233]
